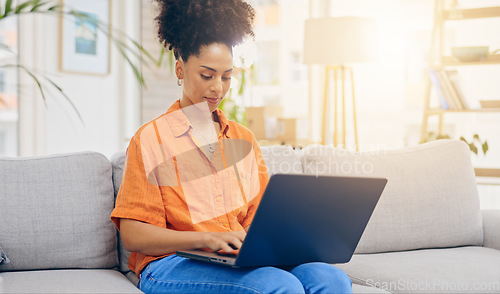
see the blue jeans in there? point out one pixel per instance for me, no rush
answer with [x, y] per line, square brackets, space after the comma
[174, 274]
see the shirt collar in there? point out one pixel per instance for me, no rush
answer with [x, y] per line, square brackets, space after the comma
[224, 123]
[179, 123]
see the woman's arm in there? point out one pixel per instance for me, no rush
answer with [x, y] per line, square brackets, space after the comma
[151, 240]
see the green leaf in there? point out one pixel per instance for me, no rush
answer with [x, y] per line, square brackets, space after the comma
[54, 8]
[67, 98]
[473, 148]
[171, 60]
[135, 69]
[162, 55]
[142, 50]
[41, 87]
[137, 72]
[37, 81]
[22, 6]
[132, 51]
[221, 104]
[7, 48]
[485, 147]
[242, 82]
[442, 136]
[476, 137]
[8, 7]
[37, 5]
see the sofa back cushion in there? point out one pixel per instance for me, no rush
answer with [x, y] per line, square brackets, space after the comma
[55, 212]
[430, 199]
[118, 164]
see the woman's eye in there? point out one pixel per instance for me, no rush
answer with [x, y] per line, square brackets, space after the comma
[226, 78]
[206, 77]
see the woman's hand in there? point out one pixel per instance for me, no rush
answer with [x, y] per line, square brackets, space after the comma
[155, 241]
[225, 241]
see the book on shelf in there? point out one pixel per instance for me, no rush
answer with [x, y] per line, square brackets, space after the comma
[450, 91]
[457, 84]
[433, 76]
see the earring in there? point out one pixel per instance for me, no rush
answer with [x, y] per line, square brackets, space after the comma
[179, 82]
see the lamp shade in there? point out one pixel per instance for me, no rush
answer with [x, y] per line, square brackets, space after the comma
[340, 40]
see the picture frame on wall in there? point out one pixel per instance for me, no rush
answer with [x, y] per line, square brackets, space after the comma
[84, 37]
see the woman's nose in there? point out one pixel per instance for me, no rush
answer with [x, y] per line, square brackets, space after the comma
[217, 86]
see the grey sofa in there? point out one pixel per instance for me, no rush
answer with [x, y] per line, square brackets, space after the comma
[426, 235]
[55, 226]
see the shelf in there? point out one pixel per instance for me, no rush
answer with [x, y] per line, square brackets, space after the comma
[487, 172]
[490, 59]
[440, 62]
[435, 111]
[473, 13]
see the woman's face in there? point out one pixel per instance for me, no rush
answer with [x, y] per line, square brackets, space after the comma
[206, 77]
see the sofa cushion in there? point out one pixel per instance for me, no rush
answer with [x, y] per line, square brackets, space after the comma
[67, 281]
[491, 228]
[3, 257]
[118, 164]
[281, 159]
[430, 199]
[55, 212]
[451, 270]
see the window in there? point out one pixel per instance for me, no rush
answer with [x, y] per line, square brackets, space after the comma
[8, 87]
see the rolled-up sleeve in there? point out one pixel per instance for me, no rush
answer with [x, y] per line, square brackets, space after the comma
[139, 197]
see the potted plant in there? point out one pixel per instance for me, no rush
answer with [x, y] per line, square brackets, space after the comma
[128, 48]
[476, 140]
[475, 144]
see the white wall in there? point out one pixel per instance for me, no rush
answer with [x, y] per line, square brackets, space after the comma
[109, 105]
[390, 92]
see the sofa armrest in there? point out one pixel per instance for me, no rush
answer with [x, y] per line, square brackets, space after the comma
[491, 228]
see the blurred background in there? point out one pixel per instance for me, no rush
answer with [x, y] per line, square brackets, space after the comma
[279, 86]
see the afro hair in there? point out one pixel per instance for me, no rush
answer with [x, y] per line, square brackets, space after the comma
[185, 26]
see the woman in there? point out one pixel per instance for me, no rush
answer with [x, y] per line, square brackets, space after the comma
[194, 179]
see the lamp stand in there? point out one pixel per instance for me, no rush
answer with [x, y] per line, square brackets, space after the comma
[336, 70]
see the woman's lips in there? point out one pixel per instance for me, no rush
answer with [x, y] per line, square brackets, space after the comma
[212, 100]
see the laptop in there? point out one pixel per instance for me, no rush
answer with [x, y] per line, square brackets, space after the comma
[304, 218]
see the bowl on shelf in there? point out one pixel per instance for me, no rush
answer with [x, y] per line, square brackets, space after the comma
[471, 53]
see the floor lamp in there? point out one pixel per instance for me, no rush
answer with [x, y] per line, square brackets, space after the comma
[333, 43]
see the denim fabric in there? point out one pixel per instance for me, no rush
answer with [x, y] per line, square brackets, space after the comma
[174, 274]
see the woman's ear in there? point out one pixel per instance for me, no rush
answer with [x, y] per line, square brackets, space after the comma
[179, 69]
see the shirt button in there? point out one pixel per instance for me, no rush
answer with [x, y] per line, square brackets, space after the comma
[225, 225]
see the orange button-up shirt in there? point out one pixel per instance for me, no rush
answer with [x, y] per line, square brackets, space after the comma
[170, 182]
